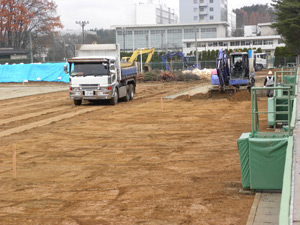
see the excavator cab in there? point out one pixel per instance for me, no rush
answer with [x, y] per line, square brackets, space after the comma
[239, 65]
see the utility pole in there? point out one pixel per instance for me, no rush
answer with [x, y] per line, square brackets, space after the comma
[196, 43]
[30, 40]
[124, 38]
[82, 24]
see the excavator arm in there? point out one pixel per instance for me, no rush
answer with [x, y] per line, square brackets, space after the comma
[128, 62]
[164, 58]
[222, 69]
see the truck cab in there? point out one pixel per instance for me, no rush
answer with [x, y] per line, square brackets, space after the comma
[260, 61]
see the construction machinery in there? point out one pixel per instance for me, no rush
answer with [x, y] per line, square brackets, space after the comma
[188, 61]
[235, 73]
[95, 74]
[129, 61]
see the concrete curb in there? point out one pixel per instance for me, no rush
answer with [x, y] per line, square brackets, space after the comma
[253, 210]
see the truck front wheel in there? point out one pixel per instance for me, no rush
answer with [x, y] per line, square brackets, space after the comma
[131, 91]
[115, 99]
[77, 102]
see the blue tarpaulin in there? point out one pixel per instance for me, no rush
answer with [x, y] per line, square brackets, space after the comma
[33, 72]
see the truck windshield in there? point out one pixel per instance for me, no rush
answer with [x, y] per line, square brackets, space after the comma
[86, 69]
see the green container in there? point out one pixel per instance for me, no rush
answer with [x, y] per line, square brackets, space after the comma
[267, 160]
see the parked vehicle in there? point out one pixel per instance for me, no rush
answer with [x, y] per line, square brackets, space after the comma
[260, 61]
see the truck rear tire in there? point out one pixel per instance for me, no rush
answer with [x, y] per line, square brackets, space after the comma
[259, 67]
[115, 99]
[127, 96]
[77, 102]
[131, 91]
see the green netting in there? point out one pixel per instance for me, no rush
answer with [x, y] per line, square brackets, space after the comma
[243, 145]
[266, 159]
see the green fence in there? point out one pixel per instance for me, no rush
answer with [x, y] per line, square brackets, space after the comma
[284, 215]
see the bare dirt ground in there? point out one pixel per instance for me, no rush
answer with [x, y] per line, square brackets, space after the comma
[138, 162]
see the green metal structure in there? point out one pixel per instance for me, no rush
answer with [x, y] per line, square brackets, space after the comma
[263, 151]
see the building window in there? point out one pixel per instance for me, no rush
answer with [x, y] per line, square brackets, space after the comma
[211, 1]
[211, 9]
[211, 17]
[234, 43]
[259, 42]
[201, 17]
[201, 9]
[188, 45]
[208, 32]
[195, 1]
[201, 1]
[195, 9]
[268, 42]
[195, 17]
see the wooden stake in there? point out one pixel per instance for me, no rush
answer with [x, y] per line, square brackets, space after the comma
[14, 148]
[161, 104]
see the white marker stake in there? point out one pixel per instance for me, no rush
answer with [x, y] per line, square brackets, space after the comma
[14, 147]
[189, 95]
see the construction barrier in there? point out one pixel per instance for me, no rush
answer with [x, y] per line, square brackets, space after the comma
[51, 72]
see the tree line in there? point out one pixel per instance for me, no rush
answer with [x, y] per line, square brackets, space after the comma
[21, 18]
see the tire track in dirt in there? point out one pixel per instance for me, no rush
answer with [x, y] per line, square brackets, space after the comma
[14, 107]
[45, 122]
[31, 115]
[149, 92]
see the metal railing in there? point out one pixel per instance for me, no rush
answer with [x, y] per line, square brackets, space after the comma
[255, 131]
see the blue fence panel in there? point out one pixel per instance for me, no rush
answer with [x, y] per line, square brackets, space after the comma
[51, 72]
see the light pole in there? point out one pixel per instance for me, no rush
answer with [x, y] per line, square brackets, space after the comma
[82, 24]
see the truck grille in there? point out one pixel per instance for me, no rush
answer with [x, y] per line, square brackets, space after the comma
[87, 87]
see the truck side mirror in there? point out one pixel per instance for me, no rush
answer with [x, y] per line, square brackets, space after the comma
[66, 69]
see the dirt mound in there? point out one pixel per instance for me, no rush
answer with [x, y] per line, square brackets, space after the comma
[203, 96]
[233, 97]
[241, 96]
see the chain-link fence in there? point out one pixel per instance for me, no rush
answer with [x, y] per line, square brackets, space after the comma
[179, 65]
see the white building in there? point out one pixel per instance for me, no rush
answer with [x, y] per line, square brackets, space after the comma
[268, 44]
[153, 12]
[232, 22]
[165, 37]
[261, 29]
[194, 11]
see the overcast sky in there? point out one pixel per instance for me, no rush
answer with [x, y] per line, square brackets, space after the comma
[104, 13]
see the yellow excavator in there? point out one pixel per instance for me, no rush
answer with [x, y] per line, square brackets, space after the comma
[129, 61]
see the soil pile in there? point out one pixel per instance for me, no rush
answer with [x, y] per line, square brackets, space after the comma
[241, 96]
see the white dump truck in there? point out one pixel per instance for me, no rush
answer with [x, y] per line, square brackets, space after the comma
[96, 74]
